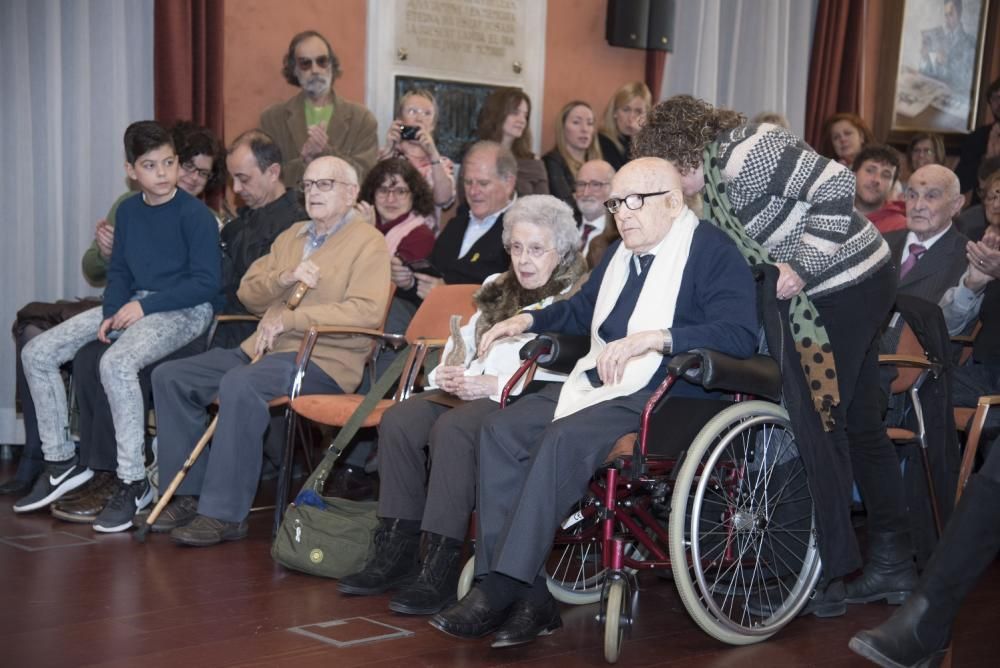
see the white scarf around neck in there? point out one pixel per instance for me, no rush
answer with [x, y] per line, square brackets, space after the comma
[653, 310]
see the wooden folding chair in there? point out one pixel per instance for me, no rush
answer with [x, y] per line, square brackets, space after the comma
[428, 330]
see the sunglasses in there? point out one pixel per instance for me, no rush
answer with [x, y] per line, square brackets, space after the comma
[305, 64]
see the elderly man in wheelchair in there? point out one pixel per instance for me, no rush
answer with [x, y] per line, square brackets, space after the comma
[673, 283]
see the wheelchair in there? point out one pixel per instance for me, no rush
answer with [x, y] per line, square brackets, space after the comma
[711, 489]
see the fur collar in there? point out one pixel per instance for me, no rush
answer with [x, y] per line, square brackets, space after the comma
[504, 297]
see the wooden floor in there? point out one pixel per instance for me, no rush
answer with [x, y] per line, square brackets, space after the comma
[71, 597]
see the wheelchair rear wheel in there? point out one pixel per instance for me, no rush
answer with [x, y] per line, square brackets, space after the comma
[742, 521]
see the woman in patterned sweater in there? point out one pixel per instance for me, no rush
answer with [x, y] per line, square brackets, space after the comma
[794, 208]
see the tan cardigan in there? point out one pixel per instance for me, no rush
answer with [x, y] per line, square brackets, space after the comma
[353, 290]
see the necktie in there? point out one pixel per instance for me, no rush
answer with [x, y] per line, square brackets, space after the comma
[615, 326]
[916, 250]
[588, 229]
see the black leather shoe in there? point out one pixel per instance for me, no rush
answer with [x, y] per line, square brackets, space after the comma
[472, 617]
[85, 506]
[527, 621]
[15, 487]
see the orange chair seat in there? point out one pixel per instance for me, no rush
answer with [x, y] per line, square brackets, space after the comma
[898, 434]
[962, 416]
[336, 409]
[623, 447]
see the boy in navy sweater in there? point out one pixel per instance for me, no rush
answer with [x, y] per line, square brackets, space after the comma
[163, 286]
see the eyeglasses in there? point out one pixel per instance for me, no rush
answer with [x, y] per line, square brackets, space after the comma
[534, 251]
[399, 193]
[993, 198]
[596, 185]
[634, 201]
[417, 111]
[190, 168]
[324, 185]
[305, 64]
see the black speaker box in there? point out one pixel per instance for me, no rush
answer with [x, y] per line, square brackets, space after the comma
[641, 24]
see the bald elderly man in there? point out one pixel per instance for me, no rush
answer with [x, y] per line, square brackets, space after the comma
[671, 284]
[345, 263]
[930, 252]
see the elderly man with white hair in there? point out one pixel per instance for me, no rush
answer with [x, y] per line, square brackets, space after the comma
[672, 284]
[344, 262]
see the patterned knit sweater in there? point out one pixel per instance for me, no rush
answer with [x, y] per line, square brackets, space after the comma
[799, 206]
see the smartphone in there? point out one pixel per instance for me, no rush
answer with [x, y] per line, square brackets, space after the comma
[409, 132]
[424, 266]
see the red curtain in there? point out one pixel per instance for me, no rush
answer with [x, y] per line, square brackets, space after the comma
[835, 65]
[655, 62]
[187, 56]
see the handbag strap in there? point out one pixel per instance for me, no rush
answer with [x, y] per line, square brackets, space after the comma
[353, 424]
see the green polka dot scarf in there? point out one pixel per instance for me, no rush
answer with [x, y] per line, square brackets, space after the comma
[811, 340]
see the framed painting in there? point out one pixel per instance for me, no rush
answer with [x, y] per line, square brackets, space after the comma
[938, 65]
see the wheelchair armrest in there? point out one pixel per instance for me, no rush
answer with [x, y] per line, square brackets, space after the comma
[564, 351]
[759, 375]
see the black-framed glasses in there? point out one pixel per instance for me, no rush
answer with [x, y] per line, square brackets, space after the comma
[633, 202]
[323, 185]
[305, 64]
[189, 167]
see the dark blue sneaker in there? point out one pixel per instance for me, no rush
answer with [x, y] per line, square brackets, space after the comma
[57, 479]
[128, 499]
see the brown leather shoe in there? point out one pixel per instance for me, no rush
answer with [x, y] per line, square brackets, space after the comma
[88, 504]
[204, 531]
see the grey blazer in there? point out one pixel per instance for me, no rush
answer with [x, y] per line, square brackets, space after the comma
[937, 270]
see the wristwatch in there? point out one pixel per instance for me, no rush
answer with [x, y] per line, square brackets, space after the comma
[668, 342]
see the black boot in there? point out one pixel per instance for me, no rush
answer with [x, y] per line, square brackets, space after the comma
[391, 559]
[918, 633]
[890, 574]
[436, 586]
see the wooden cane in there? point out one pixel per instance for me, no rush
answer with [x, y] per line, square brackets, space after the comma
[296, 297]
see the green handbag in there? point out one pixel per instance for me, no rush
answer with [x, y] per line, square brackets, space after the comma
[331, 542]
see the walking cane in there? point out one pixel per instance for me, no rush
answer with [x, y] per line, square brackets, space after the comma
[293, 301]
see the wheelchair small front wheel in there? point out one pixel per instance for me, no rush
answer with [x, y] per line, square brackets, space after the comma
[616, 618]
[466, 577]
[742, 520]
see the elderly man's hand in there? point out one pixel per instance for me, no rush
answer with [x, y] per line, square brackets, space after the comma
[426, 283]
[512, 326]
[789, 282]
[104, 235]
[401, 275]
[268, 329]
[614, 358]
[315, 143]
[306, 272]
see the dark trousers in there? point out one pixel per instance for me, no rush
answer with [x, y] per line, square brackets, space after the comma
[226, 476]
[32, 461]
[972, 381]
[853, 317]
[533, 469]
[451, 434]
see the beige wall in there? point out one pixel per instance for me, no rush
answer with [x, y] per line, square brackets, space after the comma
[578, 62]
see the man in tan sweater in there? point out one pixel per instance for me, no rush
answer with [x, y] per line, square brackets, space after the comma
[345, 263]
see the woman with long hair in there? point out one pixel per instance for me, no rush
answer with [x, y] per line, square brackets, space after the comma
[504, 119]
[576, 143]
[623, 118]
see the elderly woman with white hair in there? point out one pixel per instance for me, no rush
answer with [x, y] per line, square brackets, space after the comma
[540, 234]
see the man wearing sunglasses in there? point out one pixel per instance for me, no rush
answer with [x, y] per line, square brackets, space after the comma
[316, 121]
[673, 283]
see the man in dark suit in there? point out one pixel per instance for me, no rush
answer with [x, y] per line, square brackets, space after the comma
[470, 247]
[672, 283]
[317, 122]
[930, 252]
